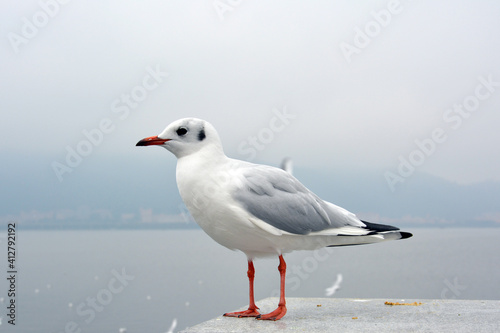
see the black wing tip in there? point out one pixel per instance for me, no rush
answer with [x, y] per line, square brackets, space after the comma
[379, 227]
[405, 234]
[375, 228]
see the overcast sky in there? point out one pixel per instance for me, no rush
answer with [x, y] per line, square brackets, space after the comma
[334, 84]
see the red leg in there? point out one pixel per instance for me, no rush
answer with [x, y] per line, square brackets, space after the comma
[281, 310]
[252, 308]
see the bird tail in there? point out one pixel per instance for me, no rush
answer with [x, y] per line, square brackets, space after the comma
[377, 233]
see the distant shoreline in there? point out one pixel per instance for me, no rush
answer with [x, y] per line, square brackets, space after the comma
[194, 226]
[129, 226]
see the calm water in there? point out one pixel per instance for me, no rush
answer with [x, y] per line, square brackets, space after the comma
[141, 281]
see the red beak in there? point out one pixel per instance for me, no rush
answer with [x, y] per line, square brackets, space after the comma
[152, 140]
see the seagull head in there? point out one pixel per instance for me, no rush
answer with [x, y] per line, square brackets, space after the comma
[185, 137]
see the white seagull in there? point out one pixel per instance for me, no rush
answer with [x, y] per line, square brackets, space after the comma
[257, 209]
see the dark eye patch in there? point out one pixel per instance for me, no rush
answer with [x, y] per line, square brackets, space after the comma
[181, 131]
[201, 134]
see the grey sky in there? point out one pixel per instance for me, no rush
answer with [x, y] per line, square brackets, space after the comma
[239, 64]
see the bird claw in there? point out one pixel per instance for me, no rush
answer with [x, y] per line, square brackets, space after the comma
[243, 314]
[275, 315]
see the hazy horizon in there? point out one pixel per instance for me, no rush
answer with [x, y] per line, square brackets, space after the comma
[394, 103]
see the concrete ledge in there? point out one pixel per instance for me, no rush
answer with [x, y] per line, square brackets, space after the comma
[365, 315]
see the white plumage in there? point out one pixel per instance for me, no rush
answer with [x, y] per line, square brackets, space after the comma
[257, 209]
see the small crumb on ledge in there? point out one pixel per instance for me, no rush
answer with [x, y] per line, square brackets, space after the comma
[397, 303]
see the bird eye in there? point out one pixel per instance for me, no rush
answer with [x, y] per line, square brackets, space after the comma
[181, 131]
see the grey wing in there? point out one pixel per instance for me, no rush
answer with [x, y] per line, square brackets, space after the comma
[279, 199]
